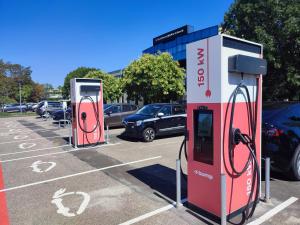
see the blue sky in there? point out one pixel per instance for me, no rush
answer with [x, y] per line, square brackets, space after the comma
[54, 37]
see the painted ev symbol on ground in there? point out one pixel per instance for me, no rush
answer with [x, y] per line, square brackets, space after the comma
[35, 166]
[26, 145]
[65, 211]
[18, 137]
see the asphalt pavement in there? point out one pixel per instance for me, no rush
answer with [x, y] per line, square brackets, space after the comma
[43, 180]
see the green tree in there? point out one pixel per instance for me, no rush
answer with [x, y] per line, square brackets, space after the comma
[78, 73]
[26, 92]
[112, 89]
[155, 78]
[38, 93]
[275, 24]
[11, 75]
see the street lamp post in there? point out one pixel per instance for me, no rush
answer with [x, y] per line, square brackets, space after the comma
[20, 97]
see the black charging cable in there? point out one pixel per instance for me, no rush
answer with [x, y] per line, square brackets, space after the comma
[182, 146]
[236, 137]
[83, 117]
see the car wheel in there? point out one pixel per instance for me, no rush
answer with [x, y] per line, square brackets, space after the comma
[296, 165]
[46, 114]
[149, 134]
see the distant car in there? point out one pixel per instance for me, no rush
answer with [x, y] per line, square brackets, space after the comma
[46, 108]
[281, 136]
[31, 106]
[59, 114]
[115, 113]
[15, 108]
[154, 120]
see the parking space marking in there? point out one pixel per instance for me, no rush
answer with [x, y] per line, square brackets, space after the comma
[34, 150]
[273, 211]
[152, 213]
[56, 153]
[10, 142]
[20, 137]
[12, 131]
[61, 209]
[77, 174]
[154, 145]
[26, 145]
[15, 130]
[35, 166]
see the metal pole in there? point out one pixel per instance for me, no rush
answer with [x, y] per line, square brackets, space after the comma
[178, 184]
[107, 134]
[267, 179]
[75, 138]
[64, 117]
[223, 200]
[70, 136]
[20, 97]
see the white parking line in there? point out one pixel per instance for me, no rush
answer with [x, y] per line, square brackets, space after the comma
[76, 174]
[34, 150]
[57, 153]
[33, 131]
[152, 213]
[154, 145]
[273, 211]
[9, 142]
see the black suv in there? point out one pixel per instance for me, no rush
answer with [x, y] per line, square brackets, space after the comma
[155, 119]
[281, 136]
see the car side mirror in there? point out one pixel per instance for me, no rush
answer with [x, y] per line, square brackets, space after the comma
[160, 114]
[108, 113]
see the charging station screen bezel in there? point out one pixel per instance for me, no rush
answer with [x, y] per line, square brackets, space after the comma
[203, 140]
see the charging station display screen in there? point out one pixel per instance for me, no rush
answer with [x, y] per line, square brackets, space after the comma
[203, 136]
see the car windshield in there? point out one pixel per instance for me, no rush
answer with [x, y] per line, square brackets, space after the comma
[149, 110]
[106, 106]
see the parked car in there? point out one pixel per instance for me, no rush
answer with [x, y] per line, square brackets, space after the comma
[31, 105]
[281, 136]
[59, 114]
[15, 108]
[47, 108]
[154, 120]
[115, 113]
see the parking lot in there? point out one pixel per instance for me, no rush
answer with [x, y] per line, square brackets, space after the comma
[43, 180]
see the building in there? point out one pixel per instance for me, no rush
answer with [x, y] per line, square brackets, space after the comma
[175, 41]
[117, 73]
[54, 93]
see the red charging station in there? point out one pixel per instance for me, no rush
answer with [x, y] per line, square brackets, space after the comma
[87, 112]
[224, 123]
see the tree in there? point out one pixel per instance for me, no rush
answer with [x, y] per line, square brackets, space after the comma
[11, 75]
[155, 78]
[26, 91]
[275, 24]
[77, 73]
[38, 93]
[112, 89]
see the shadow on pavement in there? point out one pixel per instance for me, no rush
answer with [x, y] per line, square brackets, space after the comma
[161, 179]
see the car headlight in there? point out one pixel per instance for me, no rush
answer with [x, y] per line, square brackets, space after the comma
[138, 123]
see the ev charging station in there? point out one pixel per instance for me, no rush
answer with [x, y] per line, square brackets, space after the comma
[224, 86]
[87, 112]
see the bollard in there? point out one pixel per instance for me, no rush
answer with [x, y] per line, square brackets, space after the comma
[178, 184]
[75, 138]
[107, 134]
[70, 136]
[267, 179]
[64, 118]
[223, 200]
